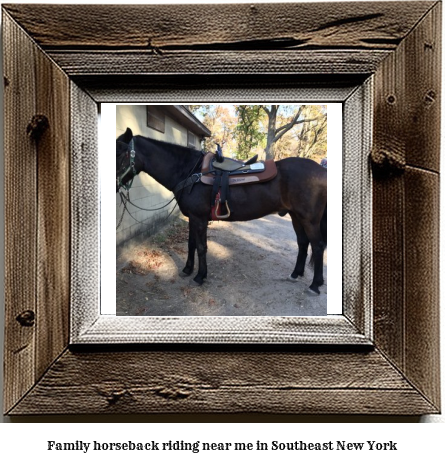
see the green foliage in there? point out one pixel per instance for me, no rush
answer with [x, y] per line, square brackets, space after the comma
[248, 132]
[221, 121]
[271, 131]
[307, 138]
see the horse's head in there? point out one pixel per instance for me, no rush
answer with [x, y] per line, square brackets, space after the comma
[125, 160]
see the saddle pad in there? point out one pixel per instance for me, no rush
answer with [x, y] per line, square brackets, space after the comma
[206, 161]
[268, 174]
[234, 167]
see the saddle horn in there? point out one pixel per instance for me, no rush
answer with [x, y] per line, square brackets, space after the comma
[218, 154]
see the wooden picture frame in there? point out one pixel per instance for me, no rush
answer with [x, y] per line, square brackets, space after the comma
[56, 72]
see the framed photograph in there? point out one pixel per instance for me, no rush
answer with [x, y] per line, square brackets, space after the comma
[376, 351]
[149, 273]
[271, 152]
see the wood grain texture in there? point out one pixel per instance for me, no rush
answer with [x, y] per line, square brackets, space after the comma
[53, 223]
[209, 330]
[124, 63]
[388, 270]
[406, 206]
[388, 200]
[357, 209]
[166, 39]
[260, 26]
[222, 382]
[216, 88]
[408, 99]
[423, 92]
[84, 205]
[38, 222]
[304, 44]
[422, 364]
[20, 213]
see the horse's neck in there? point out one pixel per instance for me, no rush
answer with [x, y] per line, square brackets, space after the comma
[162, 163]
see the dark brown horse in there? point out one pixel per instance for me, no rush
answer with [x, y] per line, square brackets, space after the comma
[298, 189]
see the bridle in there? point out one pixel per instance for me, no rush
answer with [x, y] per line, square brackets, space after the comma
[131, 167]
[190, 180]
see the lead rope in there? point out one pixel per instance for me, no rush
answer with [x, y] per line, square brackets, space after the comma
[123, 212]
[145, 209]
[126, 199]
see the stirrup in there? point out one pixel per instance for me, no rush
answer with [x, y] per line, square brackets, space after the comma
[221, 217]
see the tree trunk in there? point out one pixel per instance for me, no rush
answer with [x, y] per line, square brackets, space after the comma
[271, 127]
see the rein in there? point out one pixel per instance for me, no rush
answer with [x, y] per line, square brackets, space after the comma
[191, 179]
[125, 200]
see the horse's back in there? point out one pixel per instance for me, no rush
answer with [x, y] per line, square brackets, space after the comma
[303, 186]
[302, 171]
[300, 167]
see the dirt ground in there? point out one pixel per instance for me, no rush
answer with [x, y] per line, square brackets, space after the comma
[248, 266]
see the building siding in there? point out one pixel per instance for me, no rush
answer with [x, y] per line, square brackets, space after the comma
[145, 191]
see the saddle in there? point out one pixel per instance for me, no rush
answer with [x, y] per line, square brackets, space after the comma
[223, 172]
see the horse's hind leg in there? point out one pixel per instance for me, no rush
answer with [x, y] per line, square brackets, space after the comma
[318, 246]
[303, 243]
[188, 270]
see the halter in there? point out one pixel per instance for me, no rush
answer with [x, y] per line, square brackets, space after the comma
[131, 167]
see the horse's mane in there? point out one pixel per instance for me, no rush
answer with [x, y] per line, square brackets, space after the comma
[174, 148]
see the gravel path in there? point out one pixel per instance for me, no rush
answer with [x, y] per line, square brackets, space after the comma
[248, 265]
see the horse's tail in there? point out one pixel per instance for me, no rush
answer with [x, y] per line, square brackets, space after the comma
[324, 233]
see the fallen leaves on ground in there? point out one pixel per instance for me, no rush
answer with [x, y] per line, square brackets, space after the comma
[147, 261]
[177, 233]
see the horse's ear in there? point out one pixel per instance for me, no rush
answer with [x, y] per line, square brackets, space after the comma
[126, 136]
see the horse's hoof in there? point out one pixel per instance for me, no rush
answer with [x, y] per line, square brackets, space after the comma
[313, 292]
[292, 280]
[196, 282]
[185, 272]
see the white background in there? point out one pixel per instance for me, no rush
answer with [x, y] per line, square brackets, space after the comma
[25, 441]
[107, 148]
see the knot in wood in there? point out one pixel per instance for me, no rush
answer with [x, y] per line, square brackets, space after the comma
[114, 397]
[387, 162]
[391, 99]
[26, 318]
[430, 97]
[37, 126]
[173, 393]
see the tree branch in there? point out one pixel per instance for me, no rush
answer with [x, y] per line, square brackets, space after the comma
[289, 126]
[265, 109]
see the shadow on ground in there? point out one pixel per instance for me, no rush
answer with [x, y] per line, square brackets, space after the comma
[248, 266]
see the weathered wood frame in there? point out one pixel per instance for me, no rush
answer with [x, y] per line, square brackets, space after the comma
[352, 326]
[66, 62]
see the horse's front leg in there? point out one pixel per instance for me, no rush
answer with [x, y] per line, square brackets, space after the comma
[188, 270]
[200, 229]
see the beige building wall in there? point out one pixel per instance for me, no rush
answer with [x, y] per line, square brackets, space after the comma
[135, 117]
[145, 191]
